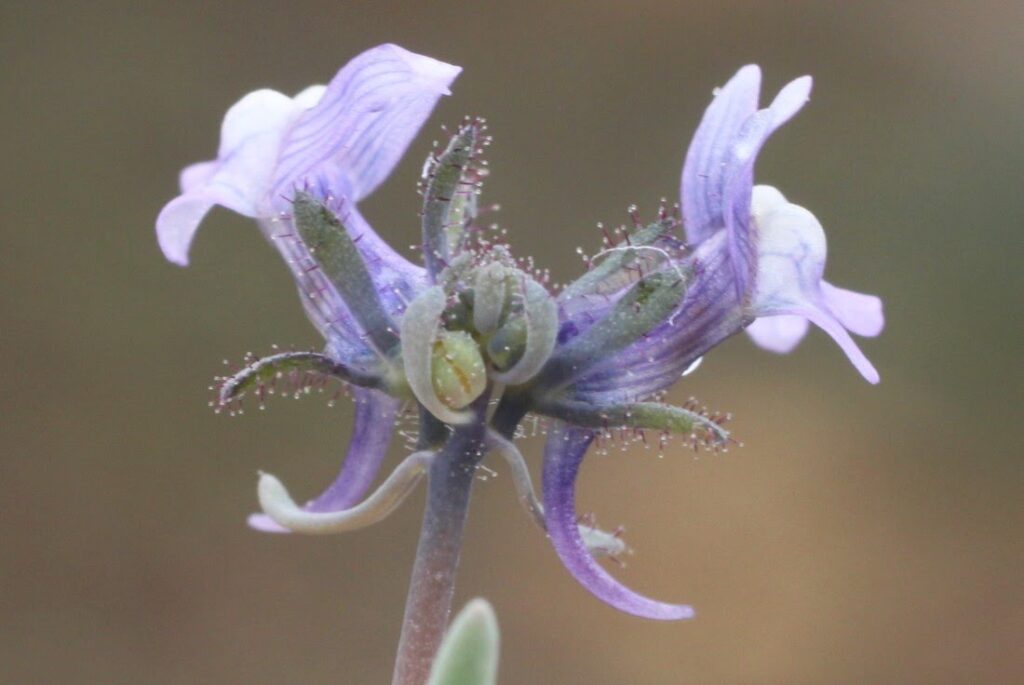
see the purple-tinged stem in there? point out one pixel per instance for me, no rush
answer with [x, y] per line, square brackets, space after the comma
[429, 602]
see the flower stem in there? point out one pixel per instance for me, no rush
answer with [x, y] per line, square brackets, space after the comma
[428, 605]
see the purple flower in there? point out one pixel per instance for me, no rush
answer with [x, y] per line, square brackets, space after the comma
[776, 250]
[341, 141]
[474, 340]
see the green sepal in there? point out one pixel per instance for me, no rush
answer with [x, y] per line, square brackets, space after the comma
[643, 307]
[469, 652]
[641, 415]
[263, 371]
[336, 254]
[619, 264]
[449, 199]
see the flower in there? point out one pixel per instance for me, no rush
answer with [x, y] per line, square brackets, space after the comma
[341, 141]
[751, 260]
[474, 339]
[776, 249]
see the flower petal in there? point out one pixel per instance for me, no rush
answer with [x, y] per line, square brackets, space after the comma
[719, 169]
[238, 179]
[834, 328]
[706, 169]
[195, 176]
[177, 223]
[791, 260]
[779, 334]
[740, 181]
[350, 141]
[278, 504]
[372, 429]
[709, 313]
[859, 313]
[564, 452]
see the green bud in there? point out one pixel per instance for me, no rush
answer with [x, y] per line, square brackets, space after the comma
[507, 345]
[421, 329]
[457, 369]
[539, 314]
[490, 295]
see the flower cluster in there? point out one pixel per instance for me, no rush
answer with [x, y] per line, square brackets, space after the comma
[474, 339]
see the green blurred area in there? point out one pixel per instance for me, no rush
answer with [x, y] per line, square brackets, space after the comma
[863, 534]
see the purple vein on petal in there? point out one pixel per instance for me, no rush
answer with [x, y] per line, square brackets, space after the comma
[364, 122]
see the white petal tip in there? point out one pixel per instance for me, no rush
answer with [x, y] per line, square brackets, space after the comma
[274, 497]
[264, 524]
[177, 223]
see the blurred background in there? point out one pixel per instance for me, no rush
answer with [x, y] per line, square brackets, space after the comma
[863, 534]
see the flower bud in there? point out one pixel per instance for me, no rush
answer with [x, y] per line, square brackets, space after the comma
[490, 295]
[507, 345]
[457, 369]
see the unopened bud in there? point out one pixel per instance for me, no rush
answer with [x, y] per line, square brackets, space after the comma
[540, 316]
[490, 295]
[457, 369]
[506, 346]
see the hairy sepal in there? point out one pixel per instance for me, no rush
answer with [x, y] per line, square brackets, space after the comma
[335, 252]
[618, 265]
[643, 307]
[264, 371]
[449, 198]
[705, 429]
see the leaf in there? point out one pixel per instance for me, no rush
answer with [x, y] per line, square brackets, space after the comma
[469, 653]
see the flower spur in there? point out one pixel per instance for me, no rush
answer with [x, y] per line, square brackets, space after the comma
[474, 340]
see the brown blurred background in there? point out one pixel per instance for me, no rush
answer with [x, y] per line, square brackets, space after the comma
[863, 535]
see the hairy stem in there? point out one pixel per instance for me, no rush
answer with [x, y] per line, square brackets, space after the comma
[428, 605]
